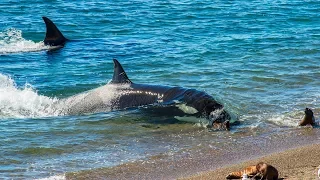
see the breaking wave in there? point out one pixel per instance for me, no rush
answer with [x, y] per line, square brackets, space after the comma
[22, 102]
[287, 119]
[25, 102]
[56, 177]
[11, 41]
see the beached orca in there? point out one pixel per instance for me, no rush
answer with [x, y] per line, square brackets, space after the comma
[53, 36]
[122, 93]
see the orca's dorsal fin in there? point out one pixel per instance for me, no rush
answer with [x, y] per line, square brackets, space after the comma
[53, 36]
[119, 75]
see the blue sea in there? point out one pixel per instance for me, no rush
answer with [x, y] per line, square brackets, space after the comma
[259, 58]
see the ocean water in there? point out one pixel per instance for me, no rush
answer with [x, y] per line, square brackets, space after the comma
[258, 58]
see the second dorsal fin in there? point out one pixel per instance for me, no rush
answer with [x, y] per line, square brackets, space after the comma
[119, 75]
[53, 36]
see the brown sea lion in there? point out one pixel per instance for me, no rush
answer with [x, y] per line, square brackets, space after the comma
[308, 118]
[250, 171]
[221, 125]
[267, 171]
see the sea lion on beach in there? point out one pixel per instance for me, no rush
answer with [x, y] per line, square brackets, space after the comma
[250, 171]
[267, 171]
[308, 118]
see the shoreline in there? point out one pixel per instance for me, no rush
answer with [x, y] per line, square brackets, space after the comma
[278, 150]
[296, 163]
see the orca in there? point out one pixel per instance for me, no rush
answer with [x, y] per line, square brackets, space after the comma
[53, 35]
[122, 93]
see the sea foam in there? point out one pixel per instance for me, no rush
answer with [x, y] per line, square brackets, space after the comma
[11, 41]
[57, 177]
[22, 102]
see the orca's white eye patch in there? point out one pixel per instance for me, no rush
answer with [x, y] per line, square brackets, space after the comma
[187, 109]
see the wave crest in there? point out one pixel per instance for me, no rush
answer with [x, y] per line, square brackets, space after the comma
[11, 41]
[22, 102]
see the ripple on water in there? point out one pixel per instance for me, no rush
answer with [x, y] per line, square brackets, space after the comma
[40, 151]
[264, 71]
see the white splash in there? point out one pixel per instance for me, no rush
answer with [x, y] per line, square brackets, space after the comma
[22, 102]
[287, 119]
[25, 102]
[11, 41]
[56, 177]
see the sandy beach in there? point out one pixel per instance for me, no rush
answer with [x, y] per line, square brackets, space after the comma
[298, 163]
[93, 89]
[295, 153]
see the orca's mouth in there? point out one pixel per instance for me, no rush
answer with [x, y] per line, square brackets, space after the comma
[219, 119]
[219, 116]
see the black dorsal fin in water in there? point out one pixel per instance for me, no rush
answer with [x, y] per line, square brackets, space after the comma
[53, 36]
[119, 75]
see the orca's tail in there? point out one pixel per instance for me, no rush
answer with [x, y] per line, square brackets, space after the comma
[53, 36]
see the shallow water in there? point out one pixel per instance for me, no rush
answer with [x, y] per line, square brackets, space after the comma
[258, 58]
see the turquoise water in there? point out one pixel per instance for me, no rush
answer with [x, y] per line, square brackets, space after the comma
[259, 58]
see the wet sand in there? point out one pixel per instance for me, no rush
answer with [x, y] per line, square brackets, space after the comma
[298, 163]
[294, 152]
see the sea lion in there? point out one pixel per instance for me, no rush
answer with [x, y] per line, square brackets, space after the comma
[221, 125]
[250, 171]
[308, 118]
[267, 171]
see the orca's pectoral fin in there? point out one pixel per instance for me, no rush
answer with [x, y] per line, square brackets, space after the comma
[119, 75]
[53, 36]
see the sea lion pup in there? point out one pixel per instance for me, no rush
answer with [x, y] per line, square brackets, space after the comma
[308, 118]
[267, 171]
[250, 171]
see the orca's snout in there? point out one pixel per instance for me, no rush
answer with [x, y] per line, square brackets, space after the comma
[219, 119]
[220, 116]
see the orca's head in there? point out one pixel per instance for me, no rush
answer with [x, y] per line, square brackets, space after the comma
[219, 116]
[219, 120]
[214, 112]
